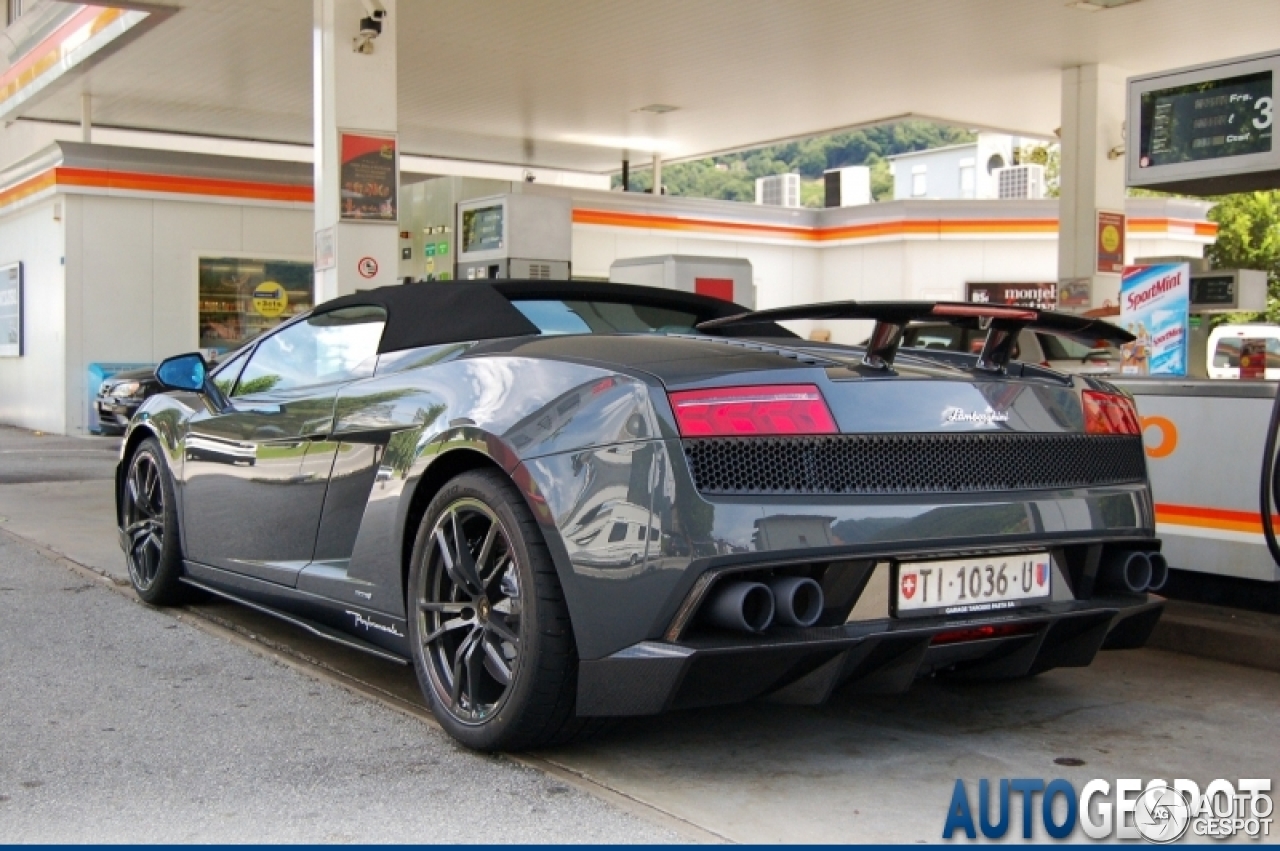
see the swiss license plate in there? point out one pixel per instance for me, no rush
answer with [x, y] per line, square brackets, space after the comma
[979, 584]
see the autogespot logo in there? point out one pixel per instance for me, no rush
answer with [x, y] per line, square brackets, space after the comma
[1157, 811]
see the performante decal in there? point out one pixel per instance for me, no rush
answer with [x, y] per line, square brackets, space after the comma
[367, 624]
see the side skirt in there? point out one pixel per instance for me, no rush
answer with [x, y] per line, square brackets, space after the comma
[246, 598]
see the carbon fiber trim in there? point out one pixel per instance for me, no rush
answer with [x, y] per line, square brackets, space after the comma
[912, 463]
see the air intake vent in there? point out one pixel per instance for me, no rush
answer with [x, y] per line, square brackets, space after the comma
[539, 272]
[912, 463]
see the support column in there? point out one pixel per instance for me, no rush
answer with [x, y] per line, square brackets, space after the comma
[354, 92]
[86, 118]
[1092, 178]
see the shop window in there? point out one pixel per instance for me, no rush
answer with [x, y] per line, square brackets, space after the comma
[341, 345]
[240, 298]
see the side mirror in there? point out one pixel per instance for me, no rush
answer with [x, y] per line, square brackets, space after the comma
[183, 372]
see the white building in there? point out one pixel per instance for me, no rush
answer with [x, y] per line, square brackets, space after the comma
[955, 172]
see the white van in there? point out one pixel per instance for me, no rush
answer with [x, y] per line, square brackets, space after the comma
[1224, 349]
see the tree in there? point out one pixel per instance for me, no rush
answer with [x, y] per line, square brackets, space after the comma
[1049, 156]
[1249, 238]
[732, 176]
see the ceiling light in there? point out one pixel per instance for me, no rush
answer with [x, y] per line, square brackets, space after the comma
[664, 108]
[1098, 5]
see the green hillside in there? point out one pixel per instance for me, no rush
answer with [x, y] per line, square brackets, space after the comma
[732, 177]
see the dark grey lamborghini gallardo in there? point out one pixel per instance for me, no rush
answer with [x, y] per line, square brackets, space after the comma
[566, 501]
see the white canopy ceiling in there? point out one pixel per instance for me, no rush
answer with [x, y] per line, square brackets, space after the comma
[559, 83]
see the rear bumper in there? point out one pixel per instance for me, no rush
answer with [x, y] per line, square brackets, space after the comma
[807, 666]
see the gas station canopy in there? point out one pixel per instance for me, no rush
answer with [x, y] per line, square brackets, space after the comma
[577, 85]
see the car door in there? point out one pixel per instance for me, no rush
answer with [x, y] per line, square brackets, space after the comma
[255, 473]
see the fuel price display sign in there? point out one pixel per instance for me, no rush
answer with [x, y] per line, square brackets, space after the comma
[1204, 130]
[1218, 118]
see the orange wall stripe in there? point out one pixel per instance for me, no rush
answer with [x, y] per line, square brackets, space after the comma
[1211, 518]
[1165, 225]
[902, 227]
[27, 188]
[48, 53]
[871, 229]
[644, 220]
[140, 182]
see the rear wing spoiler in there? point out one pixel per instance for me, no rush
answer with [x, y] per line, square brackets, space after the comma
[1001, 322]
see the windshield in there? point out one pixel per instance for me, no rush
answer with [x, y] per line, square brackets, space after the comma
[553, 316]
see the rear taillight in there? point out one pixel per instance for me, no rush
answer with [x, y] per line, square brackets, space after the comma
[750, 411]
[1110, 413]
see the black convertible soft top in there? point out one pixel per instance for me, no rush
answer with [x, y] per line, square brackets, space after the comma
[436, 312]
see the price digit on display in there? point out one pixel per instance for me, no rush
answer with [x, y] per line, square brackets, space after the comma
[1263, 121]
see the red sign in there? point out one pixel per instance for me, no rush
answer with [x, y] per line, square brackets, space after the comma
[369, 178]
[368, 267]
[721, 288]
[1110, 243]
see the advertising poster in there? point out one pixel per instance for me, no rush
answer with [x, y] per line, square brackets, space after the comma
[11, 311]
[1155, 303]
[1042, 296]
[369, 178]
[1110, 243]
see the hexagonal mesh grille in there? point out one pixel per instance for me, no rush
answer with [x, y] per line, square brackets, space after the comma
[912, 463]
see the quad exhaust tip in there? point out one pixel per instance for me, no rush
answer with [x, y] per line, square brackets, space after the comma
[1134, 571]
[755, 606]
[1159, 571]
[798, 600]
[742, 606]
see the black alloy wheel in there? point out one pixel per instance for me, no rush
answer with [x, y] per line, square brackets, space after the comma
[150, 526]
[471, 610]
[489, 629]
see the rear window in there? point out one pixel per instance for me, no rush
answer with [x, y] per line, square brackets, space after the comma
[1227, 353]
[1064, 348]
[553, 316]
[947, 337]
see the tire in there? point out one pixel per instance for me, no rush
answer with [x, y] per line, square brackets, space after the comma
[466, 605]
[150, 520]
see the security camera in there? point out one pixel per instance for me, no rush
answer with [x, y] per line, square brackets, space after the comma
[370, 27]
[530, 177]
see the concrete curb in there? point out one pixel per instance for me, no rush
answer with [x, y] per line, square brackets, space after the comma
[1250, 639]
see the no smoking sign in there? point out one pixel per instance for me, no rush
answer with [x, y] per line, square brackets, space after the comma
[368, 267]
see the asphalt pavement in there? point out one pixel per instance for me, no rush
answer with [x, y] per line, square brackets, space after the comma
[123, 723]
[120, 723]
[241, 728]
